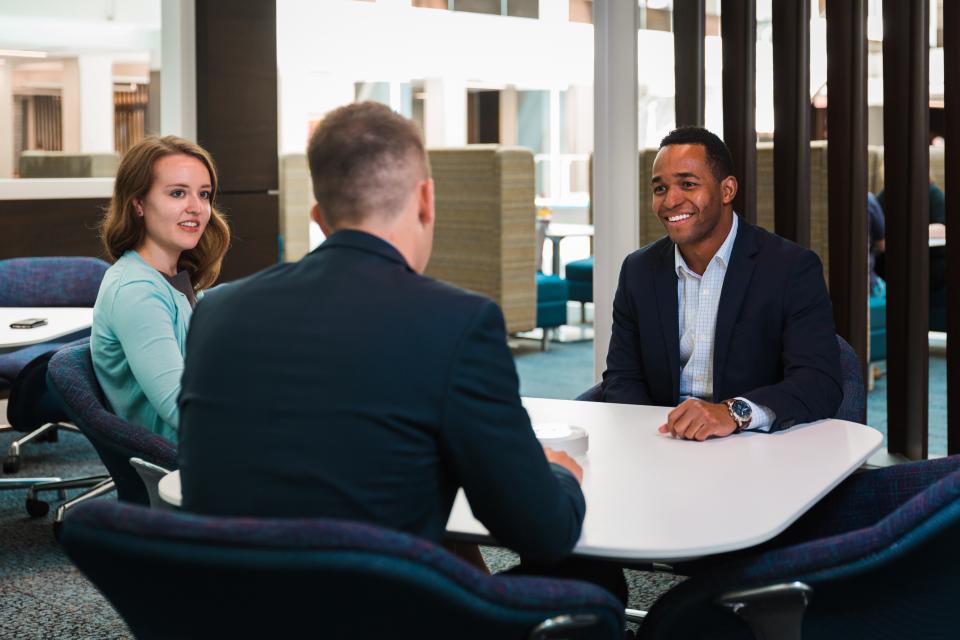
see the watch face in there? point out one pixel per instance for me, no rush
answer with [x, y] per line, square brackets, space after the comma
[740, 409]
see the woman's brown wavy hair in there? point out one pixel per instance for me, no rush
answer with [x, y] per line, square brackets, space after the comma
[122, 229]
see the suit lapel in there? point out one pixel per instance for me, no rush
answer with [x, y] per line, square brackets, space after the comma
[665, 286]
[735, 285]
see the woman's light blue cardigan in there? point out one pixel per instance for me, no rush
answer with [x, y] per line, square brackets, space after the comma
[137, 342]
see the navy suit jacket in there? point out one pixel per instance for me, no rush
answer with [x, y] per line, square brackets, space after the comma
[775, 342]
[346, 385]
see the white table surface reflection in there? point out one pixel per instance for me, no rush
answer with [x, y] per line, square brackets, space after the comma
[61, 321]
[654, 498]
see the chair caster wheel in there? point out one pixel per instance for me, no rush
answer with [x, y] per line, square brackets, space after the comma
[11, 464]
[37, 508]
[52, 435]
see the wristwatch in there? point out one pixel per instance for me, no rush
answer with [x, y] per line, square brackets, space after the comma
[740, 412]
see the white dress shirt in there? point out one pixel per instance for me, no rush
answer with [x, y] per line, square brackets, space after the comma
[698, 298]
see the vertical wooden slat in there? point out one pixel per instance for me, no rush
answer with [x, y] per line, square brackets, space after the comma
[738, 26]
[847, 162]
[689, 19]
[237, 123]
[951, 91]
[906, 180]
[791, 118]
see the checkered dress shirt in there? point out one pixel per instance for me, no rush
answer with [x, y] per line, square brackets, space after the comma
[698, 298]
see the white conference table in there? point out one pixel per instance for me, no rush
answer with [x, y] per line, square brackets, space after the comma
[61, 321]
[654, 498]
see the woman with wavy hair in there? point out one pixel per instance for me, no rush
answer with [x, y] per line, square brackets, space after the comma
[167, 240]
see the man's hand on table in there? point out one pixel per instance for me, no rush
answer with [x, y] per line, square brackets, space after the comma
[563, 459]
[695, 419]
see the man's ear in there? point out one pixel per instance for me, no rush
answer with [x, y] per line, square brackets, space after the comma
[728, 189]
[426, 211]
[319, 219]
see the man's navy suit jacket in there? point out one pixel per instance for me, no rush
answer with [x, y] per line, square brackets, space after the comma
[346, 385]
[775, 342]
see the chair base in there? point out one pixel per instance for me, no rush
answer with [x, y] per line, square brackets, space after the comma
[47, 433]
[99, 485]
[24, 483]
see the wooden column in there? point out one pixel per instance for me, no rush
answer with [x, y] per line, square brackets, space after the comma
[237, 123]
[689, 18]
[951, 90]
[738, 26]
[847, 161]
[906, 171]
[791, 118]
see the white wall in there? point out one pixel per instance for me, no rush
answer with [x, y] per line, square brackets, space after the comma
[96, 103]
[178, 75]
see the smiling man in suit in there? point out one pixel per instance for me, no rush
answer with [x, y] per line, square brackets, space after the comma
[725, 321]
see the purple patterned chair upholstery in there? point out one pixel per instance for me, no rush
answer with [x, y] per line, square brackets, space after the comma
[72, 383]
[877, 558]
[178, 575]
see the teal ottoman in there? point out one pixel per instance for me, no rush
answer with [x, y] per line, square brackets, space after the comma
[580, 279]
[551, 304]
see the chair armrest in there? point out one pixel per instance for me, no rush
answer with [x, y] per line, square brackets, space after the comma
[773, 612]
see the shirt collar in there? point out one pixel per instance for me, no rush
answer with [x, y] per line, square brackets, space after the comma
[722, 256]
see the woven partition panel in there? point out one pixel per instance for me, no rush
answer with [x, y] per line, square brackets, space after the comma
[937, 168]
[651, 229]
[819, 206]
[485, 233]
[765, 198]
[296, 200]
[875, 168]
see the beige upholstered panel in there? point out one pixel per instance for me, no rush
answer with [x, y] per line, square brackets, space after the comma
[296, 200]
[937, 168]
[485, 231]
[651, 229]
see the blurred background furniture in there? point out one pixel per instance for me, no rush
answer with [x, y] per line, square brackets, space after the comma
[32, 406]
[484, 237]
[64, 164]
[876, 558]
[42, 282]
[579, 274]
[552, 295]
[556, 232]
[272, 578]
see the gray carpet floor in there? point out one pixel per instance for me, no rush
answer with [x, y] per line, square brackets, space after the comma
[42, 596]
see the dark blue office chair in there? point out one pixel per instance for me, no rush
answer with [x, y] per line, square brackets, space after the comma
[72, 383]
[853, 407]
[178, 575]
[42, 282]
[877, 558]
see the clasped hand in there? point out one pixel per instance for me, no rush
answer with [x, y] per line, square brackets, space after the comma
[696, 419]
